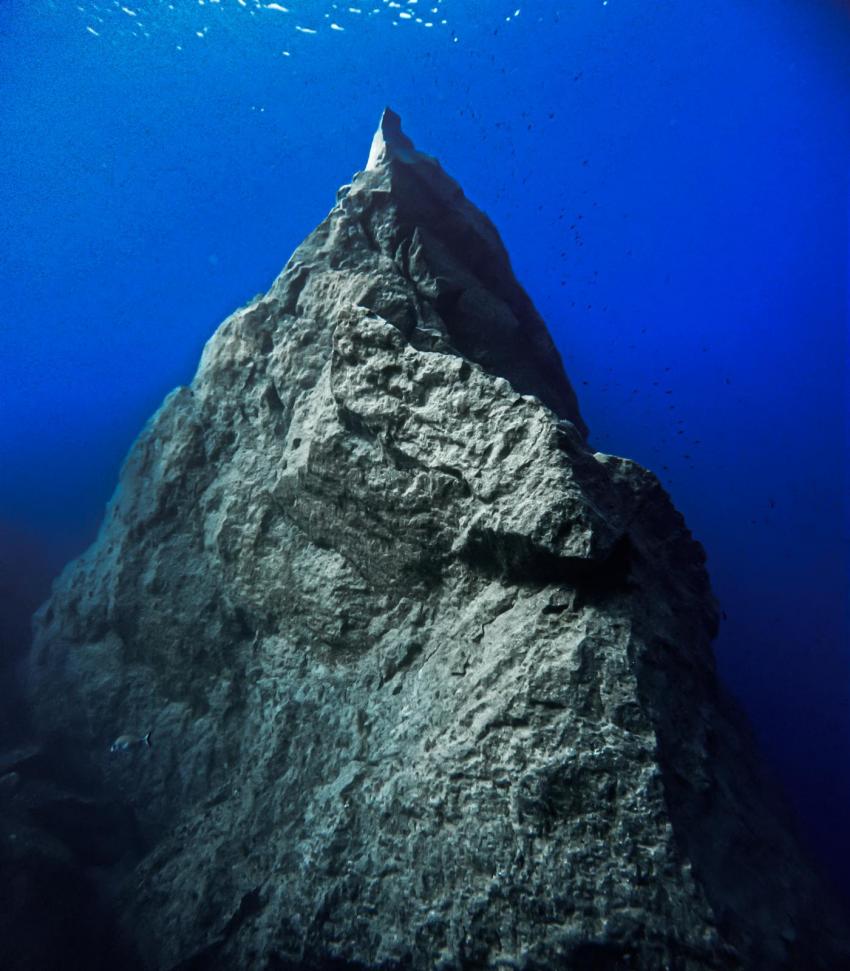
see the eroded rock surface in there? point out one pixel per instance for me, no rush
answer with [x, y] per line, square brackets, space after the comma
[430, 683]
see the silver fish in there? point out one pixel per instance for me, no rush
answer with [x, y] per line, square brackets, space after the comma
[124, 743]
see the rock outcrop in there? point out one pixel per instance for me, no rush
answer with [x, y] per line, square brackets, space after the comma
[430, 682]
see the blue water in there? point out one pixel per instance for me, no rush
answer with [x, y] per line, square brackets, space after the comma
[671, 179]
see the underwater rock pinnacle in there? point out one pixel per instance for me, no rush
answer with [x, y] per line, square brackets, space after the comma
[430, 683]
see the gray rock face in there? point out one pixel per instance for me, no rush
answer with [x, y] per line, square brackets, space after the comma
[430, 684]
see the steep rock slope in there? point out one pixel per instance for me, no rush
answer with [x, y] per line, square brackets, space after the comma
[429, 682]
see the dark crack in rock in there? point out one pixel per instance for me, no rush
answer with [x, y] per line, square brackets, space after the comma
[430, 683]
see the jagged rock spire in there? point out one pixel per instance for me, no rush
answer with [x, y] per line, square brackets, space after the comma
[390, 141]
[452, 263]
[430, 682]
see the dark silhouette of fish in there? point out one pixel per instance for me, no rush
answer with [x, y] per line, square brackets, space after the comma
[125, 743]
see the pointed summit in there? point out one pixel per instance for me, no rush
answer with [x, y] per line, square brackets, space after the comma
[450, 260]
[390, 142]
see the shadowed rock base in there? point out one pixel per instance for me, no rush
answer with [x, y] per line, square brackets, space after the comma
[56, 846]
[430, 682]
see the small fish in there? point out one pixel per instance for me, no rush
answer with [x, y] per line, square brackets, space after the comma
[124, 743]
[9, 782]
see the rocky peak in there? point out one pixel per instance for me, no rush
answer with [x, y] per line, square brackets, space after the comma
[390, 142]
[429, 683]
[453, 286]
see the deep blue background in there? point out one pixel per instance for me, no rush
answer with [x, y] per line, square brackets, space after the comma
[671, 179]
